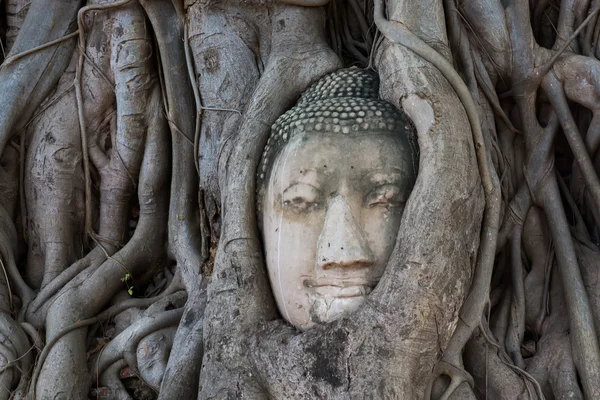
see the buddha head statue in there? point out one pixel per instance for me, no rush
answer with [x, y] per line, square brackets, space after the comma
[334, 177]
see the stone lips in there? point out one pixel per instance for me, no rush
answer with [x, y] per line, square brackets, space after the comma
[344, 101]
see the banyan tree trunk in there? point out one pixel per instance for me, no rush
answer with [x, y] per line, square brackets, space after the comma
[131, 262]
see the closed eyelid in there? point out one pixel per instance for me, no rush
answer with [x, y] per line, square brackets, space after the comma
[383, 191]
[386, 187]
[300, 198]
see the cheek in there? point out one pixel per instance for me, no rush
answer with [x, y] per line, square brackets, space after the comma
[381, 229]
[290, 245]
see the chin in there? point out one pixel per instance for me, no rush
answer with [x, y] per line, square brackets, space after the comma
[326, 309]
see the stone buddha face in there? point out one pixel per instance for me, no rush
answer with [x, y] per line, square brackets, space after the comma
[331, 203]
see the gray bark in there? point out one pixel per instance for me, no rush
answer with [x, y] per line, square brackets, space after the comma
[101, 206]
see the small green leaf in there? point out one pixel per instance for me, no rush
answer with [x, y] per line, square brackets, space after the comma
[130, 291]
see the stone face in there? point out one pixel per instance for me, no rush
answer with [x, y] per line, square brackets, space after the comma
[335, 174]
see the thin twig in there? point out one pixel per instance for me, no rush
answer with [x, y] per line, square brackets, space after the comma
[176, 129]
[44, 108]
[221, 109]
[362, 22]
[348, 40]
[516, 322]
[96, 68]
[22, 203]
[584, 339]
[306, 3]
[548, 65]
[556, 94]
[16, 57]
[492, 97]
[10, 302]
[2, 49]
[48, 347]
[196, 91]
[11, 363]
[587, 39]
[108, 256]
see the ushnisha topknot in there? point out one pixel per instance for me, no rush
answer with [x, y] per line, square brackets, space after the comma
[344, 101]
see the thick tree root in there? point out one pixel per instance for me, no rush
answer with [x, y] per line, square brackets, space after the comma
[111, 379]
[73, 303]
[284, 78]
[16, 355]
[153, 355]
[183, 226]
[126, 343]
[472, 309]
[25, 84]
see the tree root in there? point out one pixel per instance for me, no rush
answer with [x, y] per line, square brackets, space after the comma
[457, 376]
[111, 379]
[116, 309]
[8, 247]
[126, 343]
[23, 89]
[16, 357]
[153, 356]
[516, 325]
[556, 95]
[73, 303]
[35, 311]
[305, 3]
[181, 106]
[187, 348]
[585, 340]
[284, 79]
[82, 127]
[472, 309]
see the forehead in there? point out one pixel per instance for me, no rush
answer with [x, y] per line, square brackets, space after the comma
[357, 151]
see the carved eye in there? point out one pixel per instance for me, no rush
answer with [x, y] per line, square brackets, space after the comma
[301, 204]
[301, 197]
[385, 196]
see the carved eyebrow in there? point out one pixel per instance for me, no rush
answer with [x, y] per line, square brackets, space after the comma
[391, 175]
[299, 183]
[305, 176]
[307, 173]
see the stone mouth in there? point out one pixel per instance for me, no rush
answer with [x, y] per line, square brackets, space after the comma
[340, 290]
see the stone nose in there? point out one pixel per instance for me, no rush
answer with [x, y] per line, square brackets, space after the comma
[341, 243]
